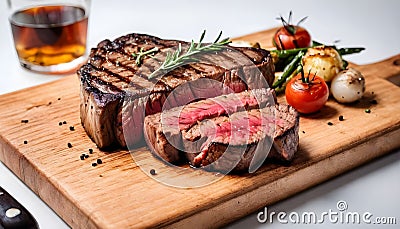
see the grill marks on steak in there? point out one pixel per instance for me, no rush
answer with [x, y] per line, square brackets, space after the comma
[115, 65]
[111, 75]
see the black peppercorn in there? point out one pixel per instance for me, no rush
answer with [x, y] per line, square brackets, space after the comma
[94, 164]
[99, 161]
[69, 145]
[90, 151]
[330, 124]
[65, 122]
[25, 142]
[82, 157]
[60, 123]
[86, 155]
[153, 172]
[341, 118]
[71, 128]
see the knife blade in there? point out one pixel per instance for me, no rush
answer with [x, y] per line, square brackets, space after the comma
[13, 214]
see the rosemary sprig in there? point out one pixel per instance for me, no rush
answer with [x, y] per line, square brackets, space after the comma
[177, 58]
[139, 56]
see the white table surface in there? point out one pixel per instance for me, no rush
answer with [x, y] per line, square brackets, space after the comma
[374, 24]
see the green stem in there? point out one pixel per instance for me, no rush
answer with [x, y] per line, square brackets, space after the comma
[139, 56]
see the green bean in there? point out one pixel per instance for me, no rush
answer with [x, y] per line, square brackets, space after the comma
[283, 86]
[316, 43]
[283, 54]
[289, 69]
[347, 51]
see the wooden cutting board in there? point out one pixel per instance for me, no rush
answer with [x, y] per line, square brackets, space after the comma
[118, 194]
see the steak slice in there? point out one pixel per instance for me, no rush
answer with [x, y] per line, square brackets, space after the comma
[241, 135]
[116, 93]
[225, 137]
[163, 131]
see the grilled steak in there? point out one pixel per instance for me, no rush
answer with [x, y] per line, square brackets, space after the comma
[241, 136]
[240, 124]
[163, 131]
[116, 92]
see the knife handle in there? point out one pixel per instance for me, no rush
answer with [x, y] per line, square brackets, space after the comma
[13, 214]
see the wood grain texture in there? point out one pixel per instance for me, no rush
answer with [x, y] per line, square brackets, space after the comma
[118, 194]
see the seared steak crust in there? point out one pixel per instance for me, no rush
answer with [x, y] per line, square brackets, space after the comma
[111, 70]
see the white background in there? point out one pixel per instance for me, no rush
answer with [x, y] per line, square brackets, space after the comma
[374, 24]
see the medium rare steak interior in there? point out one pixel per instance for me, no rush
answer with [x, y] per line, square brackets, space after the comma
[116, 92]
[225, 132]
[163, 131]
[242, 135]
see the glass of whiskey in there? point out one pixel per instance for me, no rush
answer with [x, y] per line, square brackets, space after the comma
[50, 35]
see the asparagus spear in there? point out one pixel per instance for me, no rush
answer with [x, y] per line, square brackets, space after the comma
[283, 54]
[289, 69]
[290, 53]
[347, 51]
[282, 87]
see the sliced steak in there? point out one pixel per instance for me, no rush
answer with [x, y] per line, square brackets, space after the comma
[163, 131]
[225, 132]
[240, 136]
[116, 93]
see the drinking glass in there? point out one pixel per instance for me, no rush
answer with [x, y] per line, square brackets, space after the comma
[49, 35]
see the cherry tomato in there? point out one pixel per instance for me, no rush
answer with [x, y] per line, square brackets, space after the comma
[291, 37]
[307, 94]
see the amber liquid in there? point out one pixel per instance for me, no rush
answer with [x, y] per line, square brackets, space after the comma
[49, 35]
